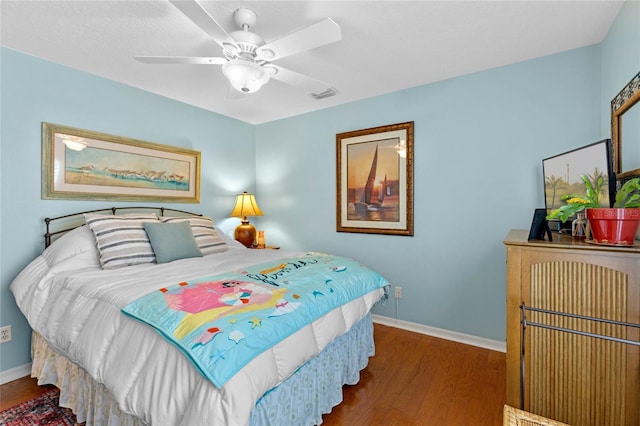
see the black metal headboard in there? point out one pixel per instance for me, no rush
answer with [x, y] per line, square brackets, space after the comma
[75, 217]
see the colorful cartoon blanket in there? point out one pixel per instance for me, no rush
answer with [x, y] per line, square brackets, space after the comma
[222, 322]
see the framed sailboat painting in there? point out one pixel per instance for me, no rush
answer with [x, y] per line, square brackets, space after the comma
[375, 180]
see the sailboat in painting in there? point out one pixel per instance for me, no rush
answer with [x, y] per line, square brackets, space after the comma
[382, 190]
[366, 200]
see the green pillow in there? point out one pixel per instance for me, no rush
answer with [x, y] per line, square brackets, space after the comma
[172, 241]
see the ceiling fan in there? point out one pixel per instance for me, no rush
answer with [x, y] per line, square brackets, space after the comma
[247, 61]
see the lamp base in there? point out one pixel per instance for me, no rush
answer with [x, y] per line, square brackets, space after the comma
[245, 233]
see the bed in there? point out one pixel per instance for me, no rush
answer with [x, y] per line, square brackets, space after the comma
[136, 327]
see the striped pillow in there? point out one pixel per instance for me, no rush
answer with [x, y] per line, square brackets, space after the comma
[122, 240]
[205, 234]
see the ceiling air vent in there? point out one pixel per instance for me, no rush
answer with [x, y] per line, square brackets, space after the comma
[327, 93]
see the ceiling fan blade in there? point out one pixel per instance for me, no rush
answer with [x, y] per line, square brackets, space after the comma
[300, 80]
[206, 22]
[195, 60]
[315, 35]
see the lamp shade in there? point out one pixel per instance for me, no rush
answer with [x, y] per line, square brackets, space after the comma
[246, 206]
[245, 76]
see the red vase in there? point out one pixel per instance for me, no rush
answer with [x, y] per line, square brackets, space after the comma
[613, 226]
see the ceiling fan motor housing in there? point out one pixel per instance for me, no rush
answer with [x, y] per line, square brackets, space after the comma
[247, 42]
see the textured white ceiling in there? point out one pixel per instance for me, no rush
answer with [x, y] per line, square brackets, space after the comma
[386, 45]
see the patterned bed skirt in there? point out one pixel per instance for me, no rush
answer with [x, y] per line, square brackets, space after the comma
[313, 390]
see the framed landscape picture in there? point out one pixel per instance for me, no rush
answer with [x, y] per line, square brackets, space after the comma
[562, 173]
[82, 164]
[375, 180]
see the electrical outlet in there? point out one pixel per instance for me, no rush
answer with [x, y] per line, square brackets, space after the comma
[5, 334]
[398, 292]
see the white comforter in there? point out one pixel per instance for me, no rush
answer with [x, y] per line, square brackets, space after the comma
[78, 313]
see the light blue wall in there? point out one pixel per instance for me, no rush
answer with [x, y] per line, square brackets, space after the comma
[34, 91]
[479, 141]
[620, 60]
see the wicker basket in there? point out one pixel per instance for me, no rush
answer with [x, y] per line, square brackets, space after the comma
[515, 417]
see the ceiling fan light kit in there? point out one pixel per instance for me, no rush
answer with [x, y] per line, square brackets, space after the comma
[245, 76]
[247, 59]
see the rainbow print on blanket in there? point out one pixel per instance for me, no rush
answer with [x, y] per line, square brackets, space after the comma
[222, 322]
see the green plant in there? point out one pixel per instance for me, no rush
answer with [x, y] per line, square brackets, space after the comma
[628, 196]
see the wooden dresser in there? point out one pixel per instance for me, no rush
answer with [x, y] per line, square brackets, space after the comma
[571, 377]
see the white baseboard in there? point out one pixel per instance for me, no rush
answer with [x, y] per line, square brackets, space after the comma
[468, 339]
[15, 373]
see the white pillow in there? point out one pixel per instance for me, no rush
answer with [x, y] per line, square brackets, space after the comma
[78, 244]
[121, 239]
[204, 232]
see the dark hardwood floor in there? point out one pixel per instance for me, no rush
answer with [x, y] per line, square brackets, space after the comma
[19, 391]
[420, 380]
[412, 380]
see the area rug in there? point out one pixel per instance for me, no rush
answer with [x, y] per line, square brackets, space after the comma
[42, 410]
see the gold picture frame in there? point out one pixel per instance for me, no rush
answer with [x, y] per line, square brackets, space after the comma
[375, 180]
[626, 100]
[88, 165]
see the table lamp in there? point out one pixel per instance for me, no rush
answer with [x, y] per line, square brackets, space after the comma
[245, 206]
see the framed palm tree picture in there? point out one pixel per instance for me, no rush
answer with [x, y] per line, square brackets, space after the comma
[562, 173]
